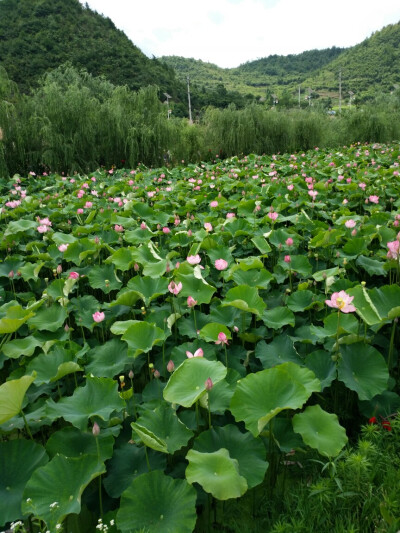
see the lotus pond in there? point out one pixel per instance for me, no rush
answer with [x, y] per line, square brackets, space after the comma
[170, 336]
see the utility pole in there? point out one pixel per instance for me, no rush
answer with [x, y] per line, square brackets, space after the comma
[190, 107]
[168, 97]
[340, 90]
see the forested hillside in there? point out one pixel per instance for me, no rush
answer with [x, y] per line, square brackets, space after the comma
[368, 68]
[39, 35]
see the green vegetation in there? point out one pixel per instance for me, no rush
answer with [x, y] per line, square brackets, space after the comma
[211, 346]
[77, 122]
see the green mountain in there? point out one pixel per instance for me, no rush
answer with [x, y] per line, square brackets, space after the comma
[367, 68]
[37, 36]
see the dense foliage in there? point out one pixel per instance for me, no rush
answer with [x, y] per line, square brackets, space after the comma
[38, 36]
[77, 122]
[177, 337]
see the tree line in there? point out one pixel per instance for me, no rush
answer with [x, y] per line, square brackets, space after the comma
[76, 122]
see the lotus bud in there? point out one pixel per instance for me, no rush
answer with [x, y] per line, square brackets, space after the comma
[131, 374]
[170, 366]
[96, 429]
[208, 384]
[156, 374]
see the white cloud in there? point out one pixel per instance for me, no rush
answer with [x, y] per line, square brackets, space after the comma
[231, 32]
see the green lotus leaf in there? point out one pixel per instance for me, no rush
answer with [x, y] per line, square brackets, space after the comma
[210, 332]
[12, 316]
[63, 238]
[119, 327]
[83, 309]
[371, 266]
[74, 251]
[12, 264]
[48, 318]
[250, 263]
[278, 317]
[156, 503]
[20, 226]
[31, 271]
[103, 277]
[193, 283]
[300, 300]
[259, 278]
[348, 323]
[155, 269]
[138, 236]
[298, 263]
[363, 369]
[142, 336]
[322, 275]
[383, 405]
[284, 436]
[168, 433]
[217, 473]
[127, 463]
[72, 442]
[278, 237]
[280, 350]
[99, 397]
[261, 244]
[245, 298]
[249, 452]
[320, 362]
[122, 259]
[13, 478]
[355, 247]
[12, 396]
[126, 297]
[54, 490]
[149, 288]
[261, 396]
[187, 383]
[109, 359]
[219, 397]
[320, 430]
[18, 347]
[53, 365]
[377, 305]
[149, 438]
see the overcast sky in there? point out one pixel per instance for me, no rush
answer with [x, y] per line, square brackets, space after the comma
[231, 32]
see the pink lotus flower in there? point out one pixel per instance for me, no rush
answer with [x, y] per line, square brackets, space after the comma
[73, 275]
[63, 247]
[220, 264]
[374, 199]
[43, 229]
[342, 301]
[118, 228]
[289, 241]
[45, 221]
[208, 226]
[191, 302]
[175, 288]
[290, 187]
[197, 353]
[222, 339]
[362, 186]
[230, 215]
[193, 259]
[98, 316]
[273, 215]
[214, 203]
[166, 230]
[88, 205]
[287, 259]
[393, 252]
[350, 223]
